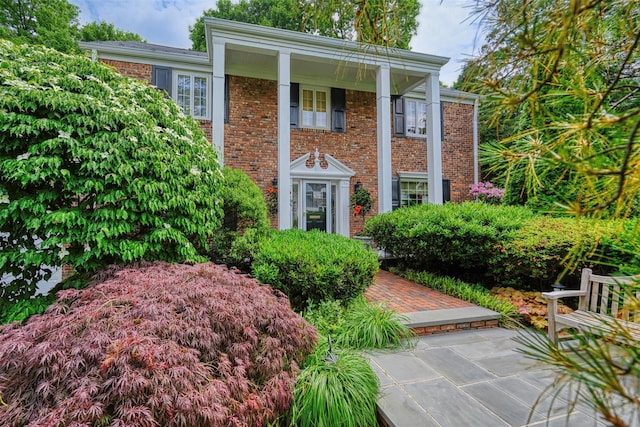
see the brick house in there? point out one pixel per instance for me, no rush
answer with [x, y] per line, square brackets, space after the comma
[317, 117]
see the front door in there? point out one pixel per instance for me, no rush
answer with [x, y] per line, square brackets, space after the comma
[317, 206]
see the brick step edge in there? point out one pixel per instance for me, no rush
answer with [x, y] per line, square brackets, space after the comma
[431, 322]
[423, 331]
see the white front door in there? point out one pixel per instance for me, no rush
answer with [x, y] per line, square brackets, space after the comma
[320, 196]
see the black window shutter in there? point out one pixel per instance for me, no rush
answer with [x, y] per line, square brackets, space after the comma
[338, 110]
[398, 115]
[161, 78]
[226, 98]
[446, 190]
[395, 193]
[441, 121]
[295, 102]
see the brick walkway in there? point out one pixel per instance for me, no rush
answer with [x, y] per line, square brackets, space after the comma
[404, 296]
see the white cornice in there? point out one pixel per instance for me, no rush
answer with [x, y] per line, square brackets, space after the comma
[145, 55]
[303, 44]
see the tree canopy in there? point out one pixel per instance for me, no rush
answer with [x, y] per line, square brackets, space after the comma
[567, 75]
[106, 31]
[379, 22]
[53, 23]
[96, 169]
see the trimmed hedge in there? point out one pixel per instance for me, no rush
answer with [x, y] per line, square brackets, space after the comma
[314, 266]
[452, 236]
[505, 246]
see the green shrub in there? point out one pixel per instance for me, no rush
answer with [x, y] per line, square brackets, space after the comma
[340, 393]
[314, 266]
[371, 326]
[96, 169]
[20, 310]
[537, 253]
[451, 236]
[618, 249]
[326, 316]
[359, 326]
[245, 220]
[472, 293]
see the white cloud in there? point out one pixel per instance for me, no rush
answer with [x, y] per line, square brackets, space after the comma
[163, 22]
[444, 28]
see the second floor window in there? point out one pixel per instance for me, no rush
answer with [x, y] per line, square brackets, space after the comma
[191, 94]
[416, 117]
[315, 104]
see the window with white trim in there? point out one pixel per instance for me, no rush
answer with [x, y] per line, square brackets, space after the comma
[416, 118]
[191, 92]
[315, 107]
[413, 192]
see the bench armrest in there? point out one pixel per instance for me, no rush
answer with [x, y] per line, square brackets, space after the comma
[562, 294]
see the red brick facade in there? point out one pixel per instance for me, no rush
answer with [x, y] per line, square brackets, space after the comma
[251, 140]
[131, 69]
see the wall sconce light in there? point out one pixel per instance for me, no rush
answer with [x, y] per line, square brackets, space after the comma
[274, 182]
[357, 187]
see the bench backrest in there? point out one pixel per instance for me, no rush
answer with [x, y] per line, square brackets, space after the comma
[604, 295]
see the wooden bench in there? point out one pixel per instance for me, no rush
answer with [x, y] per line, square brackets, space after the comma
[600, 302]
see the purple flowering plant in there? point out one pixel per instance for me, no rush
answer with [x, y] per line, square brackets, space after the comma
[486, 192]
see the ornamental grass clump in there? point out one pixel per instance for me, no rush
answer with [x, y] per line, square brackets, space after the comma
[157, 345]
[337, 391]
[371, 326]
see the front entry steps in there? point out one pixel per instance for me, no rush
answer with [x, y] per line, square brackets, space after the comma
[447, 320]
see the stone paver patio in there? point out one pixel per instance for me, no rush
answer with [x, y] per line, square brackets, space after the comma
[473, 377]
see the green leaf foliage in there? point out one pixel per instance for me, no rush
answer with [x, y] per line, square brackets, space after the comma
[504, 245]
[537, 254]
[245, 220]
[51, 23]
[335, 393]
[105, 31]
[96, 169]
[453, 236]
[21, 310]
[359, 325]
[314, 266]
[378, 22]
[372, 326]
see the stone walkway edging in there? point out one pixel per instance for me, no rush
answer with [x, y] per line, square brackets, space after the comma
[424, 323]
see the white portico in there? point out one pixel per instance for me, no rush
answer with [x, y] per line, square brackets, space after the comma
[303, 63]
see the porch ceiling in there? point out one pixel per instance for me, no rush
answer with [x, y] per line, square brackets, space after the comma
[255, 63]
[252, 51]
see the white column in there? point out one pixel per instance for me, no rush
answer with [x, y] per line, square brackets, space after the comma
[342, 198]
[434, 139]
[476, 163]
[217, 99]
[383, 107]
[284, 140]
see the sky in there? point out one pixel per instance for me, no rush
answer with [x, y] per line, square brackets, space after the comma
[445, 28]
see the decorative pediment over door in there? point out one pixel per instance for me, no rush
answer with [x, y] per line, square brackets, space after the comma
[335, 169]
